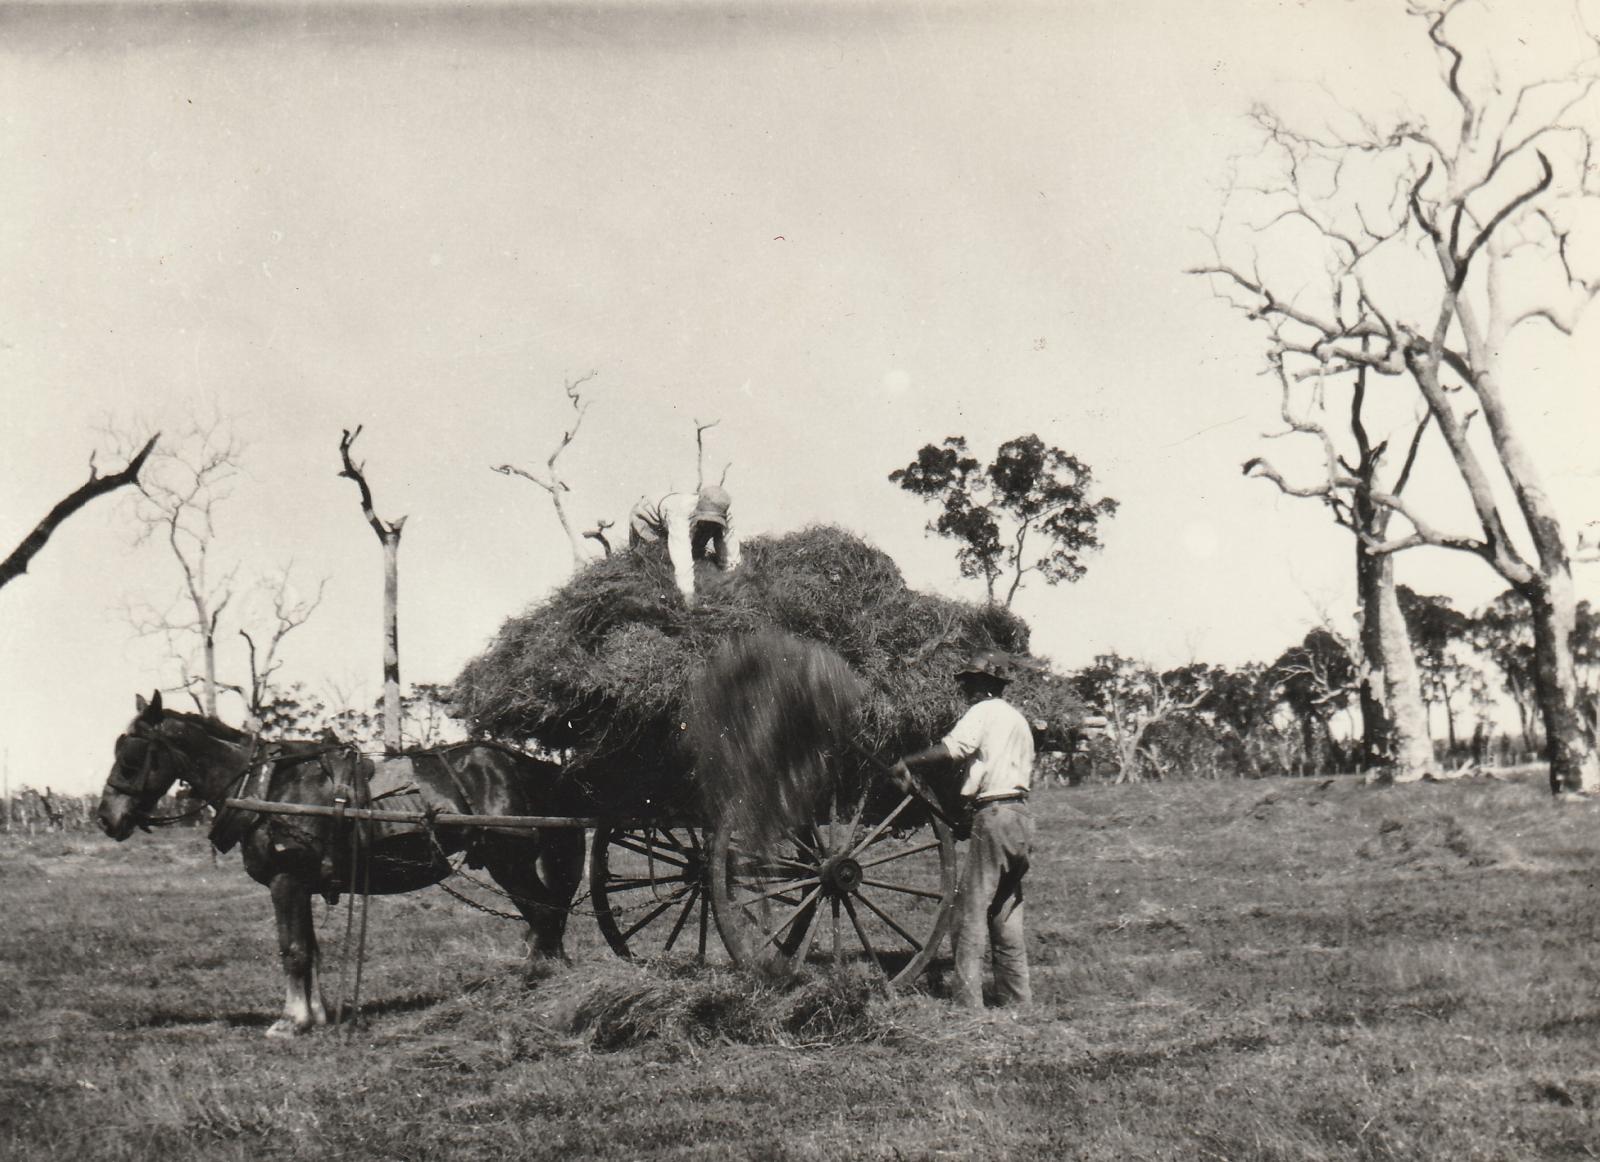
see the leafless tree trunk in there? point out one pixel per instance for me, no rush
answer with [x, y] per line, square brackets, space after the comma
[17, 563]
[1482, 202]
[389, 537]
[288, 615]
[187, 481]
[551, 480]
[1395, 740]
[1395, 737]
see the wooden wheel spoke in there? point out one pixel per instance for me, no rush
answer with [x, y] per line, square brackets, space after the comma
[923, 892]
[778, 893]
[910, 851]
[769, 909]
[842, 830]
[803, 910]
[809, 840]
[770, 872]
[629, 883]
[665, 843]
[654, 912]
[807, 937]
[861, 933]
[888, 820]
[673, 841]
[683, 917]
[887, 919]
[630, 843]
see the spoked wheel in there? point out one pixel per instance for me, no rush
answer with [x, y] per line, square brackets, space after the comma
[651, 890]
[847, 889]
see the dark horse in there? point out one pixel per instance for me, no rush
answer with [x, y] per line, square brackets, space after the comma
[296, 856]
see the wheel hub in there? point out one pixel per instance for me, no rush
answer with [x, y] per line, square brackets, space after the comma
[841, 876]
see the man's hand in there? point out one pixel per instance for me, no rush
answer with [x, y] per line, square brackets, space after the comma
[901, 774]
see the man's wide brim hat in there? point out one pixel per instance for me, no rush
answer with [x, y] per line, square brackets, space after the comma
[713, 506]
[987, 664]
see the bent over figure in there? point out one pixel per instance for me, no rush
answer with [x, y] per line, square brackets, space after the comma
[694, 526]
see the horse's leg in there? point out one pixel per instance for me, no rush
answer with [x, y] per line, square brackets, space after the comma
[291, 903]
[542, 887]
[319, 1006]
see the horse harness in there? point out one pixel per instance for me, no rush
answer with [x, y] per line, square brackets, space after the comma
[139, 790]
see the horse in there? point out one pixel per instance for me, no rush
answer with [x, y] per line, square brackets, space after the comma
[296, 856]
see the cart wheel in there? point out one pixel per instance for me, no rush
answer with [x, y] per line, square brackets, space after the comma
[845, 890]
[650, 889]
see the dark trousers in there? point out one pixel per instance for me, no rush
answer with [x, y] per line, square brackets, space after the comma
[989, 905]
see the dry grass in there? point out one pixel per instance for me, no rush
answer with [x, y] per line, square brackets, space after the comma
[1272, 970]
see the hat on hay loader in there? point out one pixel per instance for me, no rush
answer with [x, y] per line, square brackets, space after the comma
[713, 506]
[987, 664]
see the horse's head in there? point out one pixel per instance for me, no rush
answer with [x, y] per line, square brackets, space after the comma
[145, 767]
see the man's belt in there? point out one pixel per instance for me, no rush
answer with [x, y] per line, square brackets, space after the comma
[1013, 797]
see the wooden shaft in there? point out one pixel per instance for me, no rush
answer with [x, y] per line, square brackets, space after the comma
[920, 792]
[449, 818]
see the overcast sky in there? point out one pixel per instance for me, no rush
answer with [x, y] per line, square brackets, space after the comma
[842, 230]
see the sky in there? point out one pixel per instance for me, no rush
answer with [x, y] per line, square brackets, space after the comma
[840, 230]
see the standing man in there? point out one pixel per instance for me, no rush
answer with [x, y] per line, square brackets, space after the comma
[996, 742]
[693, 525]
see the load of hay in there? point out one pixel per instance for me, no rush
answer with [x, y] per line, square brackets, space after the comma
[601, 671]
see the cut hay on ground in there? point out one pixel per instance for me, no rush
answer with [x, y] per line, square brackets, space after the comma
[602, 669]
[636, 1004]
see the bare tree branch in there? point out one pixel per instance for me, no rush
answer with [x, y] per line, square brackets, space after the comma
[354, 471]
[700, 431]
[551, 481]
[598, 533]
[17, 563]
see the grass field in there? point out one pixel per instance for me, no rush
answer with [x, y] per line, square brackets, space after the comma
[1281, 969]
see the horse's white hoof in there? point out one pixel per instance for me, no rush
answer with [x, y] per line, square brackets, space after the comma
[284, 1027]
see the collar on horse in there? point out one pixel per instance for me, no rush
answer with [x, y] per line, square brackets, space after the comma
[233, 823]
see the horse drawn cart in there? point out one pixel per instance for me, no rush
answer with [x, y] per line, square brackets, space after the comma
[725, 785]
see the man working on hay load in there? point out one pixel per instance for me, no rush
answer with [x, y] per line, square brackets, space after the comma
[693, 526]
[996, 742]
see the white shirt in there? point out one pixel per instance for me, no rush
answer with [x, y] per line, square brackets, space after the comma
[672, 518]
[997, 738]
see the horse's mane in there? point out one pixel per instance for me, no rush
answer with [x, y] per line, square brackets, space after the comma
[212, 726]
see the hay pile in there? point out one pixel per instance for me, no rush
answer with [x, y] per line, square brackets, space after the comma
[603, 668]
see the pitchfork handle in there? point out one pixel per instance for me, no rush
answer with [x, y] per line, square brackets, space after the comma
[917, 788]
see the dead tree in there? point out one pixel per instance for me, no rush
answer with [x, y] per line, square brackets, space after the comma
[700, 431]
[1482, 211]
[389, 537]
[17, 563]
[289, 613]
[188, 480]
[1395, 740]
[551, 480]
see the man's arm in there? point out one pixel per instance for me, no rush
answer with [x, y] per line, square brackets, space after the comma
[901, 772]
[679, 544]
